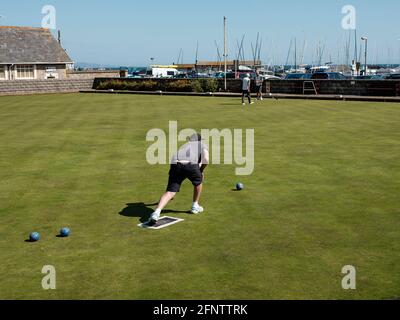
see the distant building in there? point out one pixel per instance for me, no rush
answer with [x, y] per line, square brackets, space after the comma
[31, 53]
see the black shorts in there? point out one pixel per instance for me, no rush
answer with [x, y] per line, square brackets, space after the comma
[179, 172]
[245, 92]
[259, 89]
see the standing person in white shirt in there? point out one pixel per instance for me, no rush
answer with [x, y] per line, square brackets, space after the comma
[246, 82]
[188, 163]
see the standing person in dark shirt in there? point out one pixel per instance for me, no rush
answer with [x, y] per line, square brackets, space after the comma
[259, 85]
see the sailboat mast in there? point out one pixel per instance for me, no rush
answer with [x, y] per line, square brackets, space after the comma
[197, 57]
[355, 46]
[225, 54]
[295, 54]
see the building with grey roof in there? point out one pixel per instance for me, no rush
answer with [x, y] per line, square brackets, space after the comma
[31, 53]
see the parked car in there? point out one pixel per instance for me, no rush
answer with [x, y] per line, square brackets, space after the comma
[242, 74]
[161, 72]
[328, 76]
[298, 76]
[393, 76]
[271, 78]
[370, 77]
[221, 75]
[135, 76]
[198, 75]
[181, 76]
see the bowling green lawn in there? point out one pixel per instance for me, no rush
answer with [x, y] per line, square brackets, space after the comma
[324, 194]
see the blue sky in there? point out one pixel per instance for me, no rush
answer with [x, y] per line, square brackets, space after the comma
[123, 32]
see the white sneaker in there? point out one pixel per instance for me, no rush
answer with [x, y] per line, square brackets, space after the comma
[243, 104]
[197, 209]
[252, 102]
[155, 216]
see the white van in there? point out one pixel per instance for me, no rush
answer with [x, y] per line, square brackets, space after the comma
[162, 71]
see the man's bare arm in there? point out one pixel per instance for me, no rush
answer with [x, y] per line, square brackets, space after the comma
[205, 160]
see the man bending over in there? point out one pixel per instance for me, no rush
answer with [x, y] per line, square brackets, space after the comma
[188, 163]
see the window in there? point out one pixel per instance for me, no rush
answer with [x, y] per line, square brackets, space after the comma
[25, 71]
[2, 72]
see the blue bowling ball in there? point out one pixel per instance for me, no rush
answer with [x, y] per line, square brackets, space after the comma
[34, 236]
[239, 186]
[65, 232]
